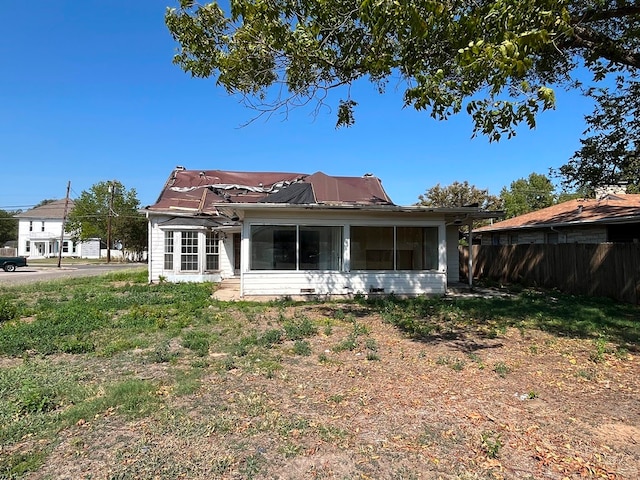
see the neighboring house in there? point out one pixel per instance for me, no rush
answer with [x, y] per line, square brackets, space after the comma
[610, 218]
[40, 234]
[293, 234]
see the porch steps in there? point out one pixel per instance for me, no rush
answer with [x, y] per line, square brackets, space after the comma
[228, 289]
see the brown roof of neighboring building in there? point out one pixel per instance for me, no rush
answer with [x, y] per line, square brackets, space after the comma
[203, 190]
[618, 208]
[52, 210]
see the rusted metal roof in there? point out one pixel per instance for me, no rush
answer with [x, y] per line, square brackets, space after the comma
[203, 191]
[613, 208]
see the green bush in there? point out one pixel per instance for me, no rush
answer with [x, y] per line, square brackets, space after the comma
[8, 311]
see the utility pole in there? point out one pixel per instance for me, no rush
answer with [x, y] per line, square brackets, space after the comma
[112, 189]
[64, 220]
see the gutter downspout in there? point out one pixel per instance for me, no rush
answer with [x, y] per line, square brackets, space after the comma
[553, 229]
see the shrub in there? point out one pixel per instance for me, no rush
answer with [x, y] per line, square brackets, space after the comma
[8, 311]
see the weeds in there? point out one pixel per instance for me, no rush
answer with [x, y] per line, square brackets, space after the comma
[501, 368]
[600, 349]
[299, 328]
[491, 443]
[8, 311]
[302, 347]
[454, 363]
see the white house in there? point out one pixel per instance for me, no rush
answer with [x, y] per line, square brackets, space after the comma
[40, 234]
[296, 234]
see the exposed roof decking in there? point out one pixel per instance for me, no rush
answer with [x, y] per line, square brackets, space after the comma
[200, 191]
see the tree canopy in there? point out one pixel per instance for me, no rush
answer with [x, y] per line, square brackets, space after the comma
[8, 227]
[499, 60]
[527, 195]
[109, 201]
[459, 195]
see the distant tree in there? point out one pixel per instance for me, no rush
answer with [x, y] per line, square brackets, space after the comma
[527, 195]
[458, 195]
[8, 227]
[109, 199]
[134, 237]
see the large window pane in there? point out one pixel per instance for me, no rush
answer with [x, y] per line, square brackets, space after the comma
[273, 247]
[320, 248]
[189, 251]
[416, 248]
[371, 248]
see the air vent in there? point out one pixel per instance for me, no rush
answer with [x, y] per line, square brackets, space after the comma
[307, 291]
[376, 290]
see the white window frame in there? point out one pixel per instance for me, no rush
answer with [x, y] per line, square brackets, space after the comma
[212, 250]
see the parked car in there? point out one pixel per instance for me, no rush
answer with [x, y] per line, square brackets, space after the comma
[10, 264]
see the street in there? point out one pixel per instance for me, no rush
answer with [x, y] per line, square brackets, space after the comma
[32, 274]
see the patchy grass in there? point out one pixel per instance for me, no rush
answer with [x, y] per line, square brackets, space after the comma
[110, 377]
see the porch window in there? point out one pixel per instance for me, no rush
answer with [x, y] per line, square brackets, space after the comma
[394, 248]
[371, 248]
[189, 252]
[416, 248]
[292, 247]
[273, 247]
[65, 247]
[27, 246]
[212, 251]
[320, 248]
[168, 250]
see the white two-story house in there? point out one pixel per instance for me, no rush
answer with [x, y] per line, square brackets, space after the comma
[40, 234]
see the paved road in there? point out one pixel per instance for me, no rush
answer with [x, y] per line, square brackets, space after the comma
[32, 274]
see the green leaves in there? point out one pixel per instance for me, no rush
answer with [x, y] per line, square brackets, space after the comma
[527, 195]
[499, 60]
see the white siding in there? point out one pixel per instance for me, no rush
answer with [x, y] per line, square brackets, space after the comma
[343, 283]
[226, 255]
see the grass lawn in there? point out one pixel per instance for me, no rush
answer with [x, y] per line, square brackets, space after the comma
[111, 378]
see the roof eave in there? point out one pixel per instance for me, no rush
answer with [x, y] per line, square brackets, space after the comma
[628, 219]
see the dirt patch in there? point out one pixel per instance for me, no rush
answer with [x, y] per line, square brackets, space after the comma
[520, 404]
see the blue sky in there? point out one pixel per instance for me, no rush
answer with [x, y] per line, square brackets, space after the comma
[88, 93]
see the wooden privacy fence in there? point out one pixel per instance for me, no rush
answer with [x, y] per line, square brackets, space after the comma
[8, 252]
[608, 270]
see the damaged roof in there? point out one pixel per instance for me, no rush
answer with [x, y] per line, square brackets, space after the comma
[612, 208]
[202, 191]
